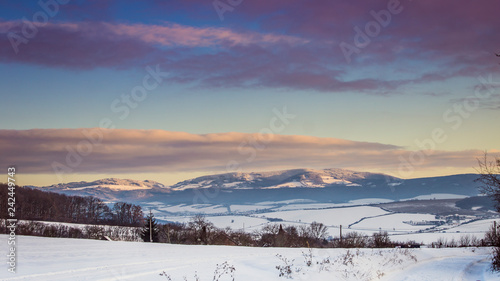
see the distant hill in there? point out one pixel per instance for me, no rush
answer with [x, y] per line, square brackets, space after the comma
[328, 185]
[297, 178]
[110, 189]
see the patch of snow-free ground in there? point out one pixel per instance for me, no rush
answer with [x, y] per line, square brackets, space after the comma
[54, 259]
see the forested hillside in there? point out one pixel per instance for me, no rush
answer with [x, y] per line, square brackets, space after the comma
[32, 204]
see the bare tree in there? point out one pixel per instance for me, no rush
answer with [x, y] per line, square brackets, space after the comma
[201, 229]
[489, 171]
[490, 179]
[318, 230]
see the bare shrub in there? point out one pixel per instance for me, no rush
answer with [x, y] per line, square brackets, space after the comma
[492, 236]
[308, 257]
[495, 261]
[353, 240]
[94, 231]
[324, 264]
[381, 240]
[224, 269]
[285, 270]
[220, 270]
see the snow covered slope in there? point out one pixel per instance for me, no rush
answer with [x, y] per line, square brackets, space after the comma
[78, 259]
[305, 178]
[111, 189]
[320, 186]
[111, 183]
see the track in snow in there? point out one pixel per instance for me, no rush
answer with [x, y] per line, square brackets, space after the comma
[468, 268]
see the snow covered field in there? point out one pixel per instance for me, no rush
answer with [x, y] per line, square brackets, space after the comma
[394, 222]
[77, 259]
[404, 220]
[362, 219]
[335, 216]
[330, 217]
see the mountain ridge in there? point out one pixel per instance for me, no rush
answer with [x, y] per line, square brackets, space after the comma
[326, 185]
[312, 178]
[109, 183]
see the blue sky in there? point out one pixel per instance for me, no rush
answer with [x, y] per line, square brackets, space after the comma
[419, 72]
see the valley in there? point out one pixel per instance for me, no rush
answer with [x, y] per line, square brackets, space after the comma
[422, 210]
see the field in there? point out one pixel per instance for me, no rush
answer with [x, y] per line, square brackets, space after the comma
[40, 258]
[78, 259]
[402, 220]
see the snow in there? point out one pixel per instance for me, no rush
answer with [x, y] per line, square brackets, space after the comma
[334, 216]
[329, 180]
[286, 184]
[232, 184]
[113, 187]
[474, 227]
[155, 203]
[194, 209]
[438, 196]
[353, 217]
[111, 183]
[234, 222]
[394, 221]
[190, 186]
[285, 202]
[367, 201]
[428, 238]
[249, 208]
[303, 178]
[292, 207]
[54, 259]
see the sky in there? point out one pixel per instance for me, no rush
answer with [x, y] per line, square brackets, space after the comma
[170, 90]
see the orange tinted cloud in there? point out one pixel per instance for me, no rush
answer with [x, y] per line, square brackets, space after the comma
[98, 150]
[189, 36]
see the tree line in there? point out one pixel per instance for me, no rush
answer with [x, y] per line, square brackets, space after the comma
[37, 205]
[200, 231]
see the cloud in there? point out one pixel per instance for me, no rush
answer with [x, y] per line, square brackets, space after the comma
[238, 59]
[274, 44]
[75, 45]
[84, 45]
[96, 150]
[492, 102]
[173, 34]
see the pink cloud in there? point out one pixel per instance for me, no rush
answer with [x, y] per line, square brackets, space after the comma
[296, 45]
[135, 151]
[173, 34]
[80, 46]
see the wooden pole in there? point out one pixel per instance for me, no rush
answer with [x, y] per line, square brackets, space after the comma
[341, 235]
[150, 227]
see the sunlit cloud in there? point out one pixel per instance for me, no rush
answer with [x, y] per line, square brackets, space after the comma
[98, 150]
[297, 48]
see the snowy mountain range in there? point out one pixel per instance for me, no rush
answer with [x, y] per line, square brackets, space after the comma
[110, 189]
[111, 183]
[297, 178]
[328, 185]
